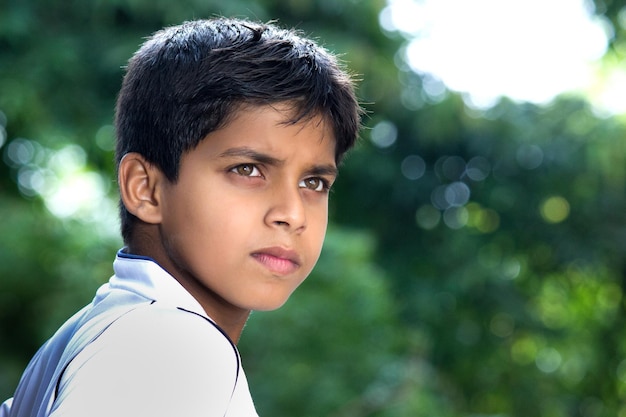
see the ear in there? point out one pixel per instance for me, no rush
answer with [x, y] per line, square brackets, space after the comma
[139, 183]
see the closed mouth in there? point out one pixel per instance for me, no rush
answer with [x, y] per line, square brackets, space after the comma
[278, 260]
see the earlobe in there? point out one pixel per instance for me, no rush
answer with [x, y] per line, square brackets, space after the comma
[139, 182]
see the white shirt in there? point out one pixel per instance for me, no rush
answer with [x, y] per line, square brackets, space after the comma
[144, 346]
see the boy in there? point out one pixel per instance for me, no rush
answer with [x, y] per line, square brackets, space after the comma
[229, 134]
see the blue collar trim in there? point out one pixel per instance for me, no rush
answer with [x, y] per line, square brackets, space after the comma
[122, 254]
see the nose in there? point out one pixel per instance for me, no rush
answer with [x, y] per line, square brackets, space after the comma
[287, 209]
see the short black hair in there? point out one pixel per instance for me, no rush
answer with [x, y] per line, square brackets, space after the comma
[186, 81]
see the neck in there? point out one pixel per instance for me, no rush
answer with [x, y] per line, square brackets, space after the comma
[231, 319]
[232, 324]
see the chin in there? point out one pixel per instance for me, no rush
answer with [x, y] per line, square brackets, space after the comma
[271, 298]
[270, 304]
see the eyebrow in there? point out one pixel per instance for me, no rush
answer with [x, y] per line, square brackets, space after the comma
[251, 154]
[262, 158]
[327, 170]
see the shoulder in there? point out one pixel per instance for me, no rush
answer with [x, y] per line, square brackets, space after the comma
[155, 322]
[154, 360]
[154, 332]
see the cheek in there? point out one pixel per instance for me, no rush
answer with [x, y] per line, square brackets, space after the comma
[205, 237]
[317, 233]
[191, 218]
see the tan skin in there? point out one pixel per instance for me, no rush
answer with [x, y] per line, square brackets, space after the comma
[244, 224]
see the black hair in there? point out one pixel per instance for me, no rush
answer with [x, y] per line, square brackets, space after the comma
[186, 81]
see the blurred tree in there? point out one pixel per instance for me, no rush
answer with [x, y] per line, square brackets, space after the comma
[475, 265]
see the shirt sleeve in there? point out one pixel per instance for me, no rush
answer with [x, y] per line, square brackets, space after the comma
[153, 362]
[5, 408]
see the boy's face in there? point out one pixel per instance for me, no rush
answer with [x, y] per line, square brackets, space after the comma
[244, 224]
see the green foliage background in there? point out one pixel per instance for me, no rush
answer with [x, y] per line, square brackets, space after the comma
[508, 302]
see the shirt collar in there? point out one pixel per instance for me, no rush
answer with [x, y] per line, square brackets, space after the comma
[146, 278]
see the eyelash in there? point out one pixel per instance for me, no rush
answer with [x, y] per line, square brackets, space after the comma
[325, 184]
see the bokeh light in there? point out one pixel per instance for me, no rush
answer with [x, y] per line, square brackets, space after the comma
[555, 209]
[61, 177]
[541, 50]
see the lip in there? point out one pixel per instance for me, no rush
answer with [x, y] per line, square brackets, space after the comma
[278, 260]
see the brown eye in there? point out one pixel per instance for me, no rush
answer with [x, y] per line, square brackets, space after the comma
[247, 170]
[314, 183]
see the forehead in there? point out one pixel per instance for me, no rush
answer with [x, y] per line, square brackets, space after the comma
[280, 115]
